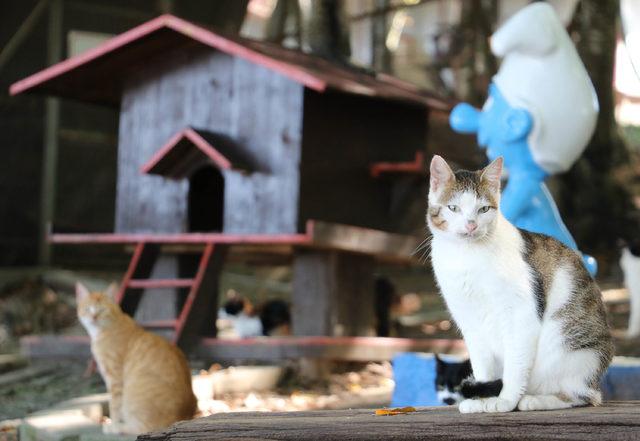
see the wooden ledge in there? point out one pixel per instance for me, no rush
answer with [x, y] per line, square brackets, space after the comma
[267, 349]
[415, 167]
[318, 234]
[613, 421]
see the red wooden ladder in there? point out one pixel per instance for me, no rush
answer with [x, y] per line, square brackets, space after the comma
[202, 296]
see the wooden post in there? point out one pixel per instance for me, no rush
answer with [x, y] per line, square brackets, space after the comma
[355, 294]
[332, 293]
[313, 292]
[50, 142]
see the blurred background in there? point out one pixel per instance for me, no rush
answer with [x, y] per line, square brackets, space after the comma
[58, 170]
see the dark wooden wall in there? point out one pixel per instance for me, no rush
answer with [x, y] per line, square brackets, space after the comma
[343, 136]
[257, 108]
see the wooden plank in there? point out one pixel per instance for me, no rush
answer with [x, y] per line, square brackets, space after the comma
[184, 238]
[266, 110]
[160, 324]
[140, 267]
[183, 153]
[415, 167]
[362, 349]
[262, 348]
[362, 240]
[56, 346]
[318, 234]
[173, 32]
[613, 421]
[161, 283]
[200, 307]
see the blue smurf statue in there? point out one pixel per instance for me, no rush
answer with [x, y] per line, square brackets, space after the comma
[540, 114]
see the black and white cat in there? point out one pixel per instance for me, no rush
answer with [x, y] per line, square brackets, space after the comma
[454, 382]
[449, 378]
[528, 310]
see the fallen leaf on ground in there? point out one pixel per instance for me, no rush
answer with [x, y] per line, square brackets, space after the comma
[396, 411]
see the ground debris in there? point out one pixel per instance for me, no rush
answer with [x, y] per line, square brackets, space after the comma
[44, 385]
[370, 386]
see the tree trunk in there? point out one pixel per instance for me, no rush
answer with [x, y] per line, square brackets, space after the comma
[325, 30]
[594, 205]
[477, 24]
[321, 27]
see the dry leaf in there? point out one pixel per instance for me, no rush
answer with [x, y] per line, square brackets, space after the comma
[396, 411]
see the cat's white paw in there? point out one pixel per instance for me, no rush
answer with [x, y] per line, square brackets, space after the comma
[493, 404]
[529, 402]
[497, 404]
[470, 406]
[111, 428]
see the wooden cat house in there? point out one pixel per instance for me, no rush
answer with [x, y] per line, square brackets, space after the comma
[227, 142]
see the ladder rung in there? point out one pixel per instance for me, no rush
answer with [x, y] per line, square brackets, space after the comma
[159, 324]
[160, 283]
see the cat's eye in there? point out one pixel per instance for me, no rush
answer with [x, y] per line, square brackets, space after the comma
[484, 209]
[453, 208]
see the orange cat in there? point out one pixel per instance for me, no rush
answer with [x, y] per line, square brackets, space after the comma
[147, 377]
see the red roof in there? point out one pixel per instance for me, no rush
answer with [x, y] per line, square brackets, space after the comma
[98, 75]
[189, 149]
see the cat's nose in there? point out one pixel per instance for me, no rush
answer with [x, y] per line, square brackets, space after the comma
[449, 401]
[471, 226]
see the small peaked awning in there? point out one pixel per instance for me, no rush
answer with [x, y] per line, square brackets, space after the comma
[99, 75]
[191, 148]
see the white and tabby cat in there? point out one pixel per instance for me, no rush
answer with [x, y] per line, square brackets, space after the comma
[529, 312]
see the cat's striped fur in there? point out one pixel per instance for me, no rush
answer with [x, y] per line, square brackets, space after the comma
[529, 312]
[147, 377]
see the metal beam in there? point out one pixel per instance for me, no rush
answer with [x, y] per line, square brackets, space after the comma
[22, 33]
[50, 142]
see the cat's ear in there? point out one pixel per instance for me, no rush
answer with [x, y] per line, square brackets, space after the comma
[492, 173]
[81, 292]
[112, 291]
[440, 173]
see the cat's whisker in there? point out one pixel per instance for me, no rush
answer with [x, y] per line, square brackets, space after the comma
[421, 246]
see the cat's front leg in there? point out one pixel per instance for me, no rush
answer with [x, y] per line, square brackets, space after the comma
[521, 340]
[485, 368]
[483, 361]
[115, 403]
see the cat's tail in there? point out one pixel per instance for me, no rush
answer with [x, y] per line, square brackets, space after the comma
[480, 389]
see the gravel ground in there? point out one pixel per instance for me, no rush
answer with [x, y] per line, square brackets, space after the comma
[57, 382]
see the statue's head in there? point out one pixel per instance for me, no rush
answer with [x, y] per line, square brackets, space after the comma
[541, 93]
[502, 129]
